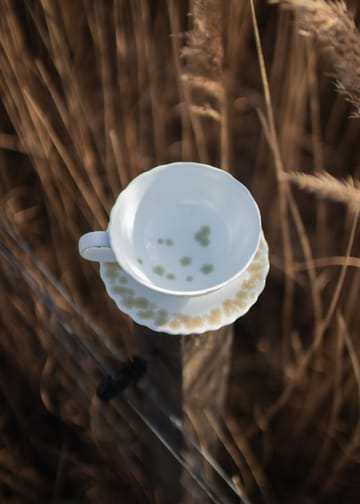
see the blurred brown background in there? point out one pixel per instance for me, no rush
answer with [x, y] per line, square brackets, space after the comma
[94, 92]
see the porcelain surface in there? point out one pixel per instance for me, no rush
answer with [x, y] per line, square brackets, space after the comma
[171, 227]
[192, 314]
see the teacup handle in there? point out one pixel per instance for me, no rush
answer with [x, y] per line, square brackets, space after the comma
[95, 246]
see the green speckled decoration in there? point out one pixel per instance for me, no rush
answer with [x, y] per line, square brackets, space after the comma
[161, 317]
[128, 301]
[207, 268]
[123, 291]
[185, 261]
[169, 242]
[140, 261]
[159, 270]
[112, 269]
[146, 310]
[170, 276]
[177, 320]
[146, 314]
[203, 236]
[141, 302]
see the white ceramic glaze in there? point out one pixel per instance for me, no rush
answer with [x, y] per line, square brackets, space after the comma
[180, 315]
[183, 229]
[95, 246]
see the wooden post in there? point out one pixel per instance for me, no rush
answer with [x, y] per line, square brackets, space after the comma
[186, 375]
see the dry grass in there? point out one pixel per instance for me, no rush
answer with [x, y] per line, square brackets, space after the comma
[328, 187]
[93, 93]
[333, 26]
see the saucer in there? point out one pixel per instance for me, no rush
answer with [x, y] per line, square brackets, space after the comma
[187, 315]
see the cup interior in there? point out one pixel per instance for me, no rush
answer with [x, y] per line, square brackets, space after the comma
[185, 228]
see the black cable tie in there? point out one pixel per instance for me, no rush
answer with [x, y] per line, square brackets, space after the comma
[130, 372]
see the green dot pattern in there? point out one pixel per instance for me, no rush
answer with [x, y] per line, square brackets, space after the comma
[207, 268]
[169, 242]
[159, 270]
[185, 261]
[202, 236]
[145, 309]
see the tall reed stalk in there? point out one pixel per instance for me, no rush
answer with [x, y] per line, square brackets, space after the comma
[93, 93]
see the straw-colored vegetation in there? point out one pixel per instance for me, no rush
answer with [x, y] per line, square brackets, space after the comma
[93, 93]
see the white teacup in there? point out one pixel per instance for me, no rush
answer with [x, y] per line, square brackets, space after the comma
[182, 229]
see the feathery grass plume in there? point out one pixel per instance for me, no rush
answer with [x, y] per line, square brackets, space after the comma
[202, 80]
[205, 50]
[327, 186]
[335, 30]
[203, 56]
[92, 97]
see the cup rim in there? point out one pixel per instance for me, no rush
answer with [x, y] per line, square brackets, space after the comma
[174, 292]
